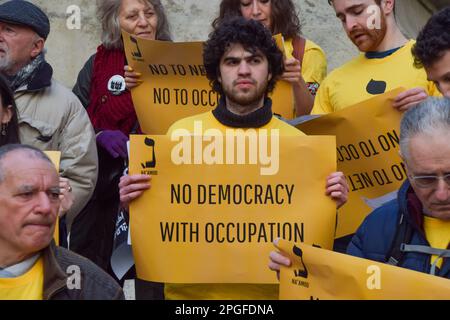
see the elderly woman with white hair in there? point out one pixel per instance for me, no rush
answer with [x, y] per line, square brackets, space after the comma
[109, 104]
[101, 88]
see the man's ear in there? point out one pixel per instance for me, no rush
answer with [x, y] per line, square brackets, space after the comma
[388, 6]
[7, 114]
[38, 46]
[269, 76]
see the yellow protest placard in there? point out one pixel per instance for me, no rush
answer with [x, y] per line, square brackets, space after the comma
[214, 210]
[367, 137]
[175, 84]
[55, 156]
[322, 274]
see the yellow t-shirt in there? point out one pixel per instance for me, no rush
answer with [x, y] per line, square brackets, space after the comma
[224, 291]
[29, 286]
[438, 235]
[362, 78]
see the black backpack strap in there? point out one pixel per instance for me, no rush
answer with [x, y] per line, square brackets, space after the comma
[403, 236]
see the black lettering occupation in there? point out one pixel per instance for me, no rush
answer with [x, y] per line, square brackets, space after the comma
[231, 232]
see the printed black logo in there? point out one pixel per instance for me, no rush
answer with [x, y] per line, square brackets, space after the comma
[300, 272]
[116, 86]
[136, 54]
[152, 163]
[376, 87]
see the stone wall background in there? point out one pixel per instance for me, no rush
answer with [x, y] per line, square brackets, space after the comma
[67, 50]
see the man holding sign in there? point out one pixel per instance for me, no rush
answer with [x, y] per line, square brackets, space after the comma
[412, 231]
[243, 63]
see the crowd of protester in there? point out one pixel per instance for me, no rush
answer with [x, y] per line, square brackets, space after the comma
[91, 125]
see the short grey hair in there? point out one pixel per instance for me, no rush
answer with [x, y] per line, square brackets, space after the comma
[33, 152]
[108, 14]
[431, 116]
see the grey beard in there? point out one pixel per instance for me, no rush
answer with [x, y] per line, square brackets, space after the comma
[6, 63]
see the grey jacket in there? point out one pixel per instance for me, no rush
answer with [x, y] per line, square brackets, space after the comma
[52, 118]
[68, 276]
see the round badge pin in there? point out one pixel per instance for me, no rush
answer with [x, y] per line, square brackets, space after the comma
[116, 85]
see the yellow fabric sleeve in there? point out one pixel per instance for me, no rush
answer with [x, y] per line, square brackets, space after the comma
[314, 67]
[322, 104]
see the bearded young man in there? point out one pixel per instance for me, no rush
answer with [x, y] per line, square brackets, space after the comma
[386, 61]
[243, 63]
[412, 231]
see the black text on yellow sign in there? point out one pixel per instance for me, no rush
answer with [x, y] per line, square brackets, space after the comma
[367, 136]
[318, 274]
[205, 203]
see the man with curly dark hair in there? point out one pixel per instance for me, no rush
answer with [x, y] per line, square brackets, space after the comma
[305, 62]
[432, 50]
[243, 63]
[238, 31]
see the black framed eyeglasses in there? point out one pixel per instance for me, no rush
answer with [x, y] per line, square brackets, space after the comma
[430, 181]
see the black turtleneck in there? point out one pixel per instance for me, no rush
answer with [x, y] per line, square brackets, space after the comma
[256, 119]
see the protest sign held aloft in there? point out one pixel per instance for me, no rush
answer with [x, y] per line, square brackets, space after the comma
[217, 199]
[367, 137]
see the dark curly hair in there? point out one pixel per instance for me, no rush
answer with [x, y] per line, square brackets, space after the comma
[284, 16]
[253, 36]
[433, 41]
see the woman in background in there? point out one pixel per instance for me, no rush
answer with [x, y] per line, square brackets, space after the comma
[101, 88]
[308, 67]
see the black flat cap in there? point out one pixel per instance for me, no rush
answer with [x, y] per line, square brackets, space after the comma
[25, 13]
